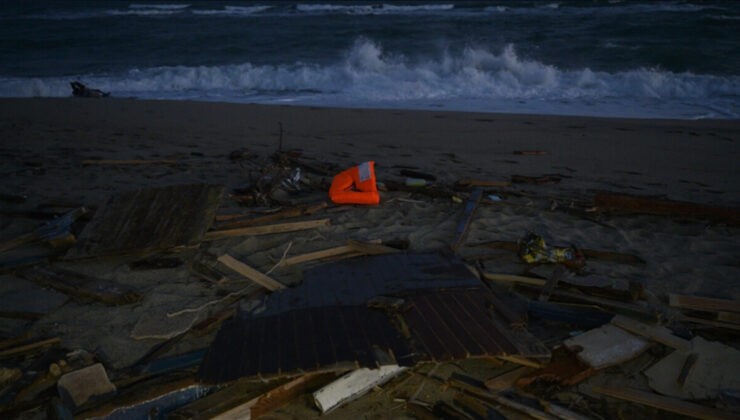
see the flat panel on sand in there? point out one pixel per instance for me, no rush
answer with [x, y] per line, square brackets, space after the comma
[149, 220]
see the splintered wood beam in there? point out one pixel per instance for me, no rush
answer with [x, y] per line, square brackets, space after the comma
[265, 230]
[654, 332]
[325, 253]
[82, 286]
[672, 405]
[250, 273]
[276, 397]
[298, 211]
[29, 348]
[697, 303]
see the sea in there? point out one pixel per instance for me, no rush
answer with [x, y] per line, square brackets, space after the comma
[612, 58]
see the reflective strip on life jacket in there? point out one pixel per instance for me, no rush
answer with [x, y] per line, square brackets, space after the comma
[355, 186]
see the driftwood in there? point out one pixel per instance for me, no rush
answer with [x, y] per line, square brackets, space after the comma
[302, 210]
[82, 286]
[696, 303]
[30, 348]
[645, 205]
[265, 230]
[250, 273]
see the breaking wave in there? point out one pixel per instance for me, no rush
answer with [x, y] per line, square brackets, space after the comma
[234, 11]
[159, 6]
[372, 9]
[368, 75]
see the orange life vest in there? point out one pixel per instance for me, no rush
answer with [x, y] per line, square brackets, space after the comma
[355, 186]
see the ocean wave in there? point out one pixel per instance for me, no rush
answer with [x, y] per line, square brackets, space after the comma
[367, 74]
[368, 9]
[143, 12]
[234, 11]
[159, 6]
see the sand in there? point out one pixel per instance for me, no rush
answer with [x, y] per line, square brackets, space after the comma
[44, 141]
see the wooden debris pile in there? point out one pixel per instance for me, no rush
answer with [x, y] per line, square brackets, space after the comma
[422, 334]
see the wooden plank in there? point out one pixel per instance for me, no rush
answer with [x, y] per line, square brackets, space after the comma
[728, 317]
[370, 248]
[483, 183]
[127, 162]
[519, 360]
[511, 278]
[276, 397]
[30, 348]
[250, 273]
[696, 303]
[672, 405]
[709, 322]
[223, 400]
[654, 332]
[298, 211]
[467, 216]
[82, 286]
[324, 253]
[149, 221]
[268, 229]
[645, 205]
[508, 379]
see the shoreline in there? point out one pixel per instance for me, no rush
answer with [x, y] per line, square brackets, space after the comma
[684, 160]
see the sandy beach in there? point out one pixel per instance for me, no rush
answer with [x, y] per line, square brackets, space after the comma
[43, 143]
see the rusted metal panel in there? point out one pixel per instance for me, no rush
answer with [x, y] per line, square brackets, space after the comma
[149, 220]
[306, 339]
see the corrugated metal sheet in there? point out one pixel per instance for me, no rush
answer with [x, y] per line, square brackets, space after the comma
[325, 323]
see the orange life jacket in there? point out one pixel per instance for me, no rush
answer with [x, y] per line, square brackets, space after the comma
[355, 186]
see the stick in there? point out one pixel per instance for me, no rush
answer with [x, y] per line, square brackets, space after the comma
[697, 303]
[250, 273]
[284, 214]
[265, 230]
[30, 347]
[324, 253]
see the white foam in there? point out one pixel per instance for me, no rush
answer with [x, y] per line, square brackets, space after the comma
[159, 6]
[234, 11]
[143, 12]
[370, 9]
[472, 79]
[498, 9]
